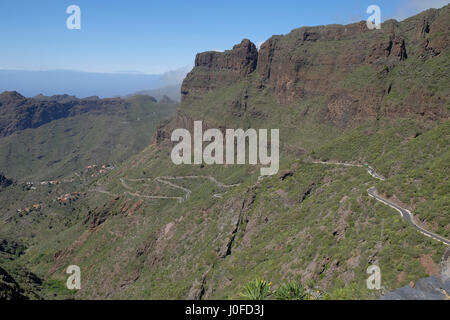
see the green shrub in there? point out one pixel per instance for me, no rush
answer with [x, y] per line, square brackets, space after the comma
[258, 289]
[290, 291]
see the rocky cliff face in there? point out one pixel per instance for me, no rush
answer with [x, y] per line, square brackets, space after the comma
[217, 69]
[326, 61]
[19, 113]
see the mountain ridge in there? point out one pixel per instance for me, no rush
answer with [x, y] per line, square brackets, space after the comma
[310, 61]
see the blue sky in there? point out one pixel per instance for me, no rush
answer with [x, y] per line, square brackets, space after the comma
[156, 36]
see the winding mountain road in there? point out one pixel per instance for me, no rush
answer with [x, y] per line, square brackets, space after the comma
[167, 181]
[370, 170]
[407, 215]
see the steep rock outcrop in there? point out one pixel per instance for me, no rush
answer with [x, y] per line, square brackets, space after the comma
[218, 69]
[348, 66]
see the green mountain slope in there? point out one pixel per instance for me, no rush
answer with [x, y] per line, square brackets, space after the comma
[154, 230]
[103, 134]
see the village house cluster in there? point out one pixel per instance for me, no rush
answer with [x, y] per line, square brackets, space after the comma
[102, 170]
[69, 197]
[34, 207]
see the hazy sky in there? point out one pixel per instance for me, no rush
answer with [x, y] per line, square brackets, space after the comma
[154, 36]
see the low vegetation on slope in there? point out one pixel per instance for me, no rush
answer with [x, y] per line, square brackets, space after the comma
[107, 133]
[312, 224]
